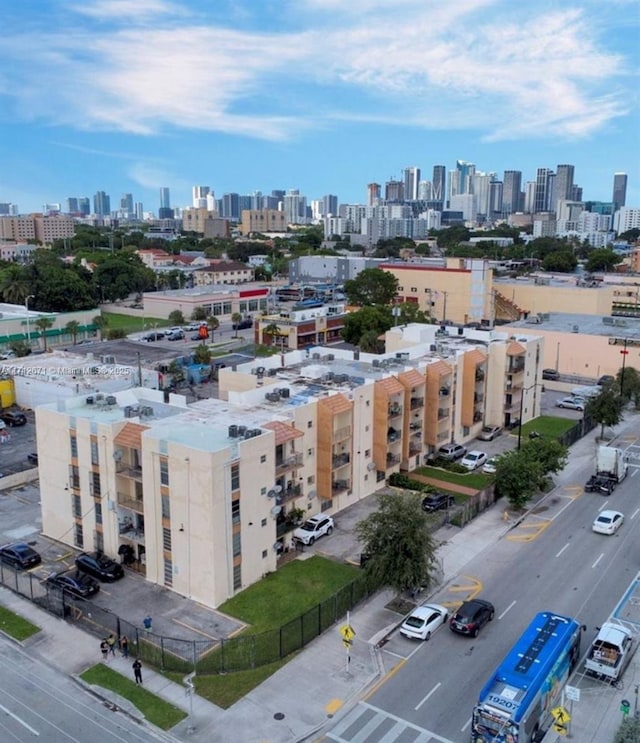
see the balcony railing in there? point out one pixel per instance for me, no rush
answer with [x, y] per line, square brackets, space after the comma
[128, 470]
[340, 434]
[415, 426]
[517, 367]
[394, 410]
[479, 375]
[393, 437]
[443, 413]
[290, 462]
[392, 459]
[444, 435]
[131, 534]
[417, 402]
[338, 486]
[340, 460]
[414, 449]
[290, 493]
[478, 399]
[135, 504]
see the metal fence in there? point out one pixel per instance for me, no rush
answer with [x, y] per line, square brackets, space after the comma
[240, 653]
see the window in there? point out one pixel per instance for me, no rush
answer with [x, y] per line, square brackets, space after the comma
[164, 472]
[96, 489]
[310, 452]
[311, 479]
[263, 490]
[73, 441]
[263, 458]
[74, 476]
[237, 576]
[166, 507]
[309, 424]
[76, 507]
[264, 554]
[168, 572]
[367, 452]
[235, 511]
[166, 540]
[263, 522]
[78, 536]
[94, 452]
[98, 513]
[235, 477]
[99, 539]
[237, 544]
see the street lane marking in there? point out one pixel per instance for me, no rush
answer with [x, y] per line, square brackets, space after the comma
[193, 629]
[562, 550]
[598, 560]
[20, 720]
[466, 726]
[635, 513]
[511, 605]
[435, 688]
[529, 532]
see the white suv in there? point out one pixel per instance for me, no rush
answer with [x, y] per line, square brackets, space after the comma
[316, 526]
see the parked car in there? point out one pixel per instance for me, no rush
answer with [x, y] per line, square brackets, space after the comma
[155, 336]
[424, 621]
[243, 324]
[489, 433]
[20, 555]
[192, 326]
[571, 403]
[314, 527]
[551, 374]
[471, 617]
[99, 566]
[606, 379]
[175, 335]
[452, 452]
[78, 584]
[437, 501]
[608, 522]
[491, 465]
[473, 459]
[13, 417]
[33, 457]
[3, 425]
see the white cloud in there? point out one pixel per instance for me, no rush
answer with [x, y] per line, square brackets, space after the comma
[126, 10]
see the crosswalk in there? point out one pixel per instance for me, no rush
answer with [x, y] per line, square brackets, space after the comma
[368, 724]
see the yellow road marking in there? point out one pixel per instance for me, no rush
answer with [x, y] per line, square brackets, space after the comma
[573, 491]
[534, 531]
[475, 585]
[333, 706]
[383, 680]
[193, 629]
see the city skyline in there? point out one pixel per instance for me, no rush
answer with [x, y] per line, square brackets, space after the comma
[129, 97]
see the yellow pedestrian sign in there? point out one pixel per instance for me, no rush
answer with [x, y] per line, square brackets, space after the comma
[348, 633]
[561, 720]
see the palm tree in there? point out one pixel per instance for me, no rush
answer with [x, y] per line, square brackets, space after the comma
[213, 324]
[72, 328]
[236, 318]
[43, 324]
[101, 322]
[271, 330]
[14, 287]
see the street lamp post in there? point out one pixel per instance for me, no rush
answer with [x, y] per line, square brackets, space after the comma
[624, 351]
[524, 390]
[26, 306]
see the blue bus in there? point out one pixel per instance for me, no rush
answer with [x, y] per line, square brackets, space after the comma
[516, 702]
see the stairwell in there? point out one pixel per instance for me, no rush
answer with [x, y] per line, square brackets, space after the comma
[506, 310]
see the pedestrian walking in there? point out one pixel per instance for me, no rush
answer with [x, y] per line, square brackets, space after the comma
[137, 670]
[146, 623]
[124, 646]
[104, 648]
[111, 642]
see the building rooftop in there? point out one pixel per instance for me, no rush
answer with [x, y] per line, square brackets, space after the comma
[565, 322]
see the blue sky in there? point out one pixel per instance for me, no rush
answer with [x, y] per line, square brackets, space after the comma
[320, 95]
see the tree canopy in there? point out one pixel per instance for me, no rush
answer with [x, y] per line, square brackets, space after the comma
[606, 408]
[602, 259]
[362, 328]
[372, 286]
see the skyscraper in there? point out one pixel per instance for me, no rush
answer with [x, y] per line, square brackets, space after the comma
[512, 185]
[544, 183]
[439, 183]
[199, 196]
[562, 186]
[619, 190]
[72, 205]
[394, 190]
[165, 211]
[460, 178]
[411, 180]
[101, 204]
[373, 194]
[329, 205]
[126, 205]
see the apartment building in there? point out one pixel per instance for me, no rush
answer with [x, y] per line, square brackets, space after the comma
[42, 227]
[202, 496]
[262, 220]
[289, 330]
[223, 272]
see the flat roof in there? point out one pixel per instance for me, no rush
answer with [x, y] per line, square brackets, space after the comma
[566, 322]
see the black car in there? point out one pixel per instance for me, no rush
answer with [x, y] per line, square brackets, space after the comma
[243, 324]
[99, 566]
[20, 555]
[77, 584]
[13, 417]
[33, 457]
[437, 501]
[551, 374]
[471, 617]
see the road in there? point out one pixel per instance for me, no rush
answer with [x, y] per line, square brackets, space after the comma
[38, 702]
[553, 562]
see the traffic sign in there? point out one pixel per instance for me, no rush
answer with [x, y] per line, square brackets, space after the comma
[560, 728]
[348, 633]
[572, 693]
[560, 715]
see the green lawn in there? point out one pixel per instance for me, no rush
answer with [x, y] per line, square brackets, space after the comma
[16, 626]
[546, 425]
[131, 324]
[471, 480]
[156, 710]
[286, 594]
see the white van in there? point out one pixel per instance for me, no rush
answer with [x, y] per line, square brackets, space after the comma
[585, 393]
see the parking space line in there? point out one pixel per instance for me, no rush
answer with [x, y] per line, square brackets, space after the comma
[194, 629]
[511, 605]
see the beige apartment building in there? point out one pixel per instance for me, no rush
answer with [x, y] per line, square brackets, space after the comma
[262, 220]
[41, 227]
[202, 496]
[223, 272]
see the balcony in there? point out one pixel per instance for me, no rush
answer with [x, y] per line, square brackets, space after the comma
[516, 367]
[394, 410]
[340, 434]
[288, 463]
[289, 494]
[443, 436]
[444, 392]
[393, 459]
[339, 460]
[134, 504]
[133, 472]
[443, 413]
[131, 534]
[417, 402]
[511, 386]
[479, 375]
[477, 399]
[393, 436]
[415, 426]
[339, 486]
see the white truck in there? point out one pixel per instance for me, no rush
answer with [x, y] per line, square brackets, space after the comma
[611, 468]
[610, 652]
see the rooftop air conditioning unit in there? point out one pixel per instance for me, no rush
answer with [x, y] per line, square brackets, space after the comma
[241, 431]
[233, 431]
[90, 400]
[376, 362]
[433, 348]
[316, 356]
[111, 400]
[99, 396]
[330, 357]
[285, 392]
[108, 359]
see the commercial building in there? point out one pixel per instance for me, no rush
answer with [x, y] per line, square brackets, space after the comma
[18, 324]
[221, 301]
[222, 272]
[263, 220]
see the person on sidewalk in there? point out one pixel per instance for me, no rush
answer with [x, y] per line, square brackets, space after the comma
[137, 670]
[124, 646]
[111, 642]
[104, 648]
[146, 623]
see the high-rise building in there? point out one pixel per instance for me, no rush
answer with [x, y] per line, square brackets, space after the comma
[619, 190]
[460, 178]
[72, 205]
[394, 190]
[165, 211]
[139, 211]
[199, 196]
[295, 207]
[562, 186]
[101, 204]
[84, 206]
[373, 194]
[411, 180]
[329, 205]
[511, 186]
[544, 184]
[126, 205]
[230, 206]
[439, 184]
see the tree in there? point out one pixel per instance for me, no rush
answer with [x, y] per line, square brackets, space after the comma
[72, 328]
[410, 312]
[14, 285]
[202, 354]
[628, 732]
[629, 384]
[369, 322]
[199, 313]
[102, 323]
[43, 324]
[213, 323]
[373, 286]
[518, 477]
[603, 259]
[605, 408]
[398, 538]
[549, 453]
[272, 330]
[20, 348]
[236, 318]
[176, 317]
[562, 261]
